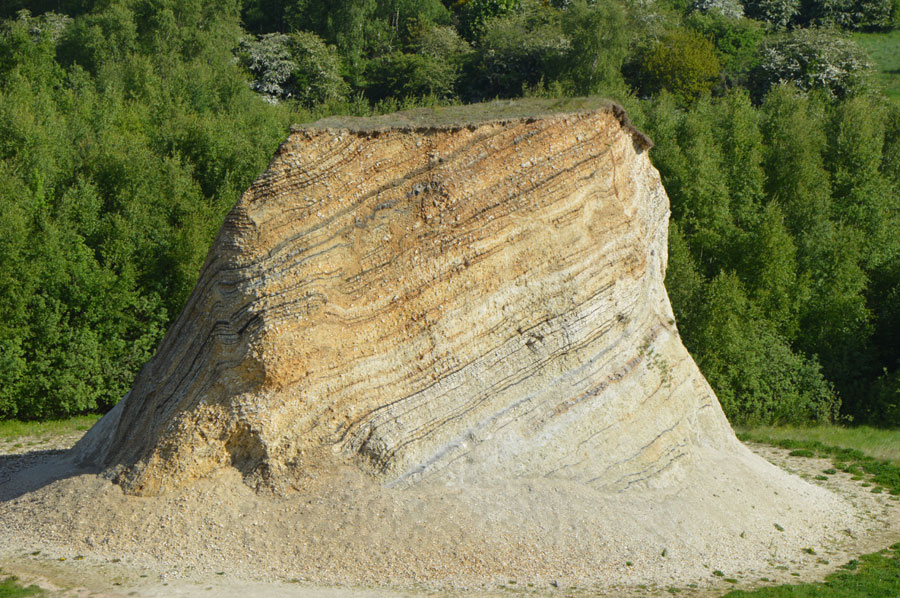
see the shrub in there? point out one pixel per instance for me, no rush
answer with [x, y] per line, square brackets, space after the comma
[269, 59]
[438, 41]
[430, 69]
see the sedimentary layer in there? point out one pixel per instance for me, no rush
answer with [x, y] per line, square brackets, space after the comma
[457, 302]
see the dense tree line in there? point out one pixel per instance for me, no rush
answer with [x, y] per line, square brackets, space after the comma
[129, 127]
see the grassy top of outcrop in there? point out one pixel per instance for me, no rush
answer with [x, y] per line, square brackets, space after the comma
[455, 117]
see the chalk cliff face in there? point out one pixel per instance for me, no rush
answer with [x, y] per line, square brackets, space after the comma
[452, 302]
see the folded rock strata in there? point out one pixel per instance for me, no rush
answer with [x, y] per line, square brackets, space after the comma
[451, 301]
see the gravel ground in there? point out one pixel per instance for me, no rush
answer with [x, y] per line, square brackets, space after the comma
[344, 536]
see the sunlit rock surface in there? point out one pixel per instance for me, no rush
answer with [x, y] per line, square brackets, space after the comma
[460, 296]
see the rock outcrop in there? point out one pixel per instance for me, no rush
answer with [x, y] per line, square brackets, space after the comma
[476, 298]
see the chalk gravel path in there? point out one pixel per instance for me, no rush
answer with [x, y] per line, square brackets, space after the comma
[77, 535]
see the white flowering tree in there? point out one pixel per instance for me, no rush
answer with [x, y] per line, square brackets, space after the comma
[814, 59]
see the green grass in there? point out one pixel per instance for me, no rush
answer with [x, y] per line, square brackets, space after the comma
[12, 429]
[873, 576]
[9, 588]
[875, 442]
[884, 48]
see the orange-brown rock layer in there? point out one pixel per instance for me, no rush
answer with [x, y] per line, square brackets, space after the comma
[449, 302]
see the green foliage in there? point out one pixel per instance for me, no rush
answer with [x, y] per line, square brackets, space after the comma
[351, 25]
[410, 75]
[269, 59]
[865, 15]
[473, 15]
[756, 375]
[263, 16]
[316, 75]
[431, 69]
[770, 261]
[599, 35]
[729, 9]
[363, 29]
[121, 150]
[681, 62]
[128, 129]
[736, 40]
[518, 50]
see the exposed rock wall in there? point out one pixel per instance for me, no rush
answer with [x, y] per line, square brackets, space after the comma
[452, 302]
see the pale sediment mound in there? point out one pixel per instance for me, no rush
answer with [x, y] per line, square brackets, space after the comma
[455, 336]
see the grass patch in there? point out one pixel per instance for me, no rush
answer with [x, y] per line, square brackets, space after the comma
[883, 473]
[884, 49]
[10, 588]
[805, 443]
[875, 442]
[12, 429]
[873, 576]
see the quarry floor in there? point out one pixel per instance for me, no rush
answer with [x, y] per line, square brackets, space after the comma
[75, 573]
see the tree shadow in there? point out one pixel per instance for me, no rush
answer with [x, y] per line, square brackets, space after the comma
[27, 472]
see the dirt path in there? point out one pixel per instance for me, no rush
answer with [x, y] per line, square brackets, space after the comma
[88, 566]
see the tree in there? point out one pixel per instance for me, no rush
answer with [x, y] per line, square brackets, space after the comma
[431, 69]
[599, 37]
[861, 195]
[517, 51]
[738, 129]
[410, 75]
[298, 66]
[813, 59]
[736, 40]
[777, 13]
[850, 14]
[730, 9]
[755, 374]
[681, 62]
[474, 14]
[316, 76]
